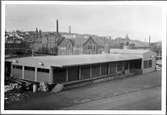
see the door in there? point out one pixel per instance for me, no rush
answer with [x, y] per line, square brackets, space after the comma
[7, 68]
[59, 75]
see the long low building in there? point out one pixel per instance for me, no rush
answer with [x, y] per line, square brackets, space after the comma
[148, 57]
[75, 68]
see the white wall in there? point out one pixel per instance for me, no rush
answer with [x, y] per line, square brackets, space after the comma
[147, 56]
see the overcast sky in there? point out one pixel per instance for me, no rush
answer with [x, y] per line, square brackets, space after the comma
[137, 21]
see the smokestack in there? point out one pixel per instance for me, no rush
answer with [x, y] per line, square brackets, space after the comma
[149, 39]
[70, 29]
[57, 26]
[36, 32]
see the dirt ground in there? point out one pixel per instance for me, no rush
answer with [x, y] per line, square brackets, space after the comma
[147, 99]
[87, 94]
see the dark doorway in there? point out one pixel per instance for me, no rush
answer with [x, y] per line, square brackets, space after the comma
[73, 73]
[135, 66]
[59, 75]
[7, 69]
[126, 65]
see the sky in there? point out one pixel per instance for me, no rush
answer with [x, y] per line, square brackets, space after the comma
[105, 20]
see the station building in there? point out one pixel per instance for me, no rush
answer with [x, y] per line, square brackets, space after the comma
[77, 68]
[148, 57]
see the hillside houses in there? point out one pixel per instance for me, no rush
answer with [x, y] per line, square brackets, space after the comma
[130, 44]
[16, 43]
[68, 43]
[64, 43]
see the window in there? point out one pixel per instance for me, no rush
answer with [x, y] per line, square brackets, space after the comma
[150, 63]
[89, 47]
[94, 47]
[29, 68]
[147, 63]
[17, 67]
[43, 70]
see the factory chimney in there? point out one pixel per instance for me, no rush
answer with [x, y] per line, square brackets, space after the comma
[70, 29]
[57, 26]
[36, 32]
[149, 40]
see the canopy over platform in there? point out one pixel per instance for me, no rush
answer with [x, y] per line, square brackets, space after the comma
[62, 61]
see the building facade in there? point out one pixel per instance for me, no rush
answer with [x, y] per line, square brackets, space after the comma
[90, 46]
[79, 46]
[66, 47]
[77, 68]
[148, 57]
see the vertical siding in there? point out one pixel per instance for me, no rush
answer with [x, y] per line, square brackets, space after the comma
[119, 66]
[104, 68]
[95, 70]
[112, 68]
[85, 72]
[73, 73]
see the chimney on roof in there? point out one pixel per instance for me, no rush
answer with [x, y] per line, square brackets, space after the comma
[57, 26]
[70, 29]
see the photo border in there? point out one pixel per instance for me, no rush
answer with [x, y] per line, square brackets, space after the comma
[121, 3]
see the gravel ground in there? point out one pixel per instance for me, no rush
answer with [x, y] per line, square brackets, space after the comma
[52, 101]
[147, 99]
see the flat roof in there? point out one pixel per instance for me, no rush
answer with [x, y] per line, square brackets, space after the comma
[130, 51]
[71, 60]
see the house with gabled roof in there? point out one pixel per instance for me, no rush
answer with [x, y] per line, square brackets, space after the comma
[81, 45]
[66, 47]
[90, 46]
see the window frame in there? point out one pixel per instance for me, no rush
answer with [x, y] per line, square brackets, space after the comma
[44, 70]
[29, 68]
